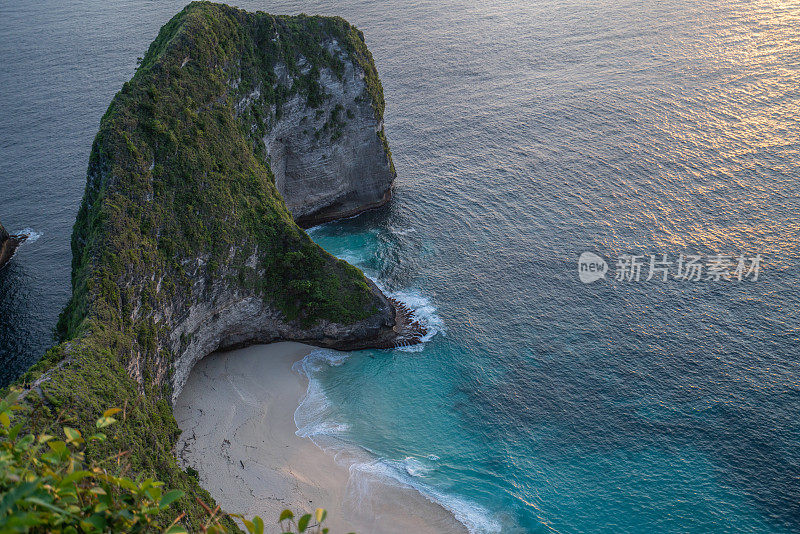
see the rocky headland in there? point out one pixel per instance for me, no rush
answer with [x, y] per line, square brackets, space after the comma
[235, 128]
[8, 245]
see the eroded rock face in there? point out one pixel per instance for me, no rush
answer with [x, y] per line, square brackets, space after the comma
[329, 161]
[8, 244]
[230, 320]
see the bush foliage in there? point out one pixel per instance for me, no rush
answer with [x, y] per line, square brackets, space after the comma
[47, 485]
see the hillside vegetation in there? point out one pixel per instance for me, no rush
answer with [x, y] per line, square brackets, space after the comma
[179, 196]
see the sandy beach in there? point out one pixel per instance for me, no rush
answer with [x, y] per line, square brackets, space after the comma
[237, 417]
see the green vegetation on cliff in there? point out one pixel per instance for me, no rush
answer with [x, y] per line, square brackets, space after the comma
[178, 193]
[174, 173]
[47, 485]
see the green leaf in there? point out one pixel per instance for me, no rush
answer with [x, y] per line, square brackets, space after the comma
[259, 525]
[302, 524]
[43, 504]
[12, 396]
[74, 476]
[72, 434]
[126, 484]
[97, 521]
[104, 422]
[14, 432]
[111, 411]
[170, 497]
[58, 447]
[5, 419]
[17, 494]
[321, 515]
[286, 514]
[176, 529]
[154, 494]
[251, 528]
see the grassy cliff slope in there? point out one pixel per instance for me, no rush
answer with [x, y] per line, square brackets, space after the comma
[181, 212]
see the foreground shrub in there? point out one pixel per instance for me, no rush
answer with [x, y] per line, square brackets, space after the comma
[46, 486]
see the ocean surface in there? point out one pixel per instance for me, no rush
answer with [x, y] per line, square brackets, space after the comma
[524, 134]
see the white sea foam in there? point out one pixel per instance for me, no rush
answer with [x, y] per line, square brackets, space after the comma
[422, 310]
[415, 467]
[313, 416]
[314, 419]
[353, 257]
[313, 230]
[402, 231]
[32, 234]
[476, 518]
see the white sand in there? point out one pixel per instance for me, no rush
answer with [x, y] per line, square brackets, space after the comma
[237, 416]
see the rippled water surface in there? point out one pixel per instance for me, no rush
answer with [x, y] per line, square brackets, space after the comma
[523, 133]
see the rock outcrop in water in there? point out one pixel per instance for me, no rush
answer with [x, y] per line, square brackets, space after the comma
[184, 244]
[8, 244]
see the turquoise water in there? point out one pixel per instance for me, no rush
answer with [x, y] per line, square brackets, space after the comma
[619, 426]
[535, 132]
[524, 133]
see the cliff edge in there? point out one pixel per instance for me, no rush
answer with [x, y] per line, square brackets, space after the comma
[8, 245]
[235, 127]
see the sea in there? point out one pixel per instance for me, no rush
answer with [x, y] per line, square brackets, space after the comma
[596, 216]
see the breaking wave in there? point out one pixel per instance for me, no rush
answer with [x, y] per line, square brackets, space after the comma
[32, 234]
[315, 420]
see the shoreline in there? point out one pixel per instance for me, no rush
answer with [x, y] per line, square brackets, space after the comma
[8, 247]
[236, 414]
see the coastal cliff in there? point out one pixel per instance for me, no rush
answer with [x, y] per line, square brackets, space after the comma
[183, 239]
[8, 244]
[327, 149]
[234, 126]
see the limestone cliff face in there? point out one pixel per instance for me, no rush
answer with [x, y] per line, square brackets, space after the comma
[329, 161]
[228, 319]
